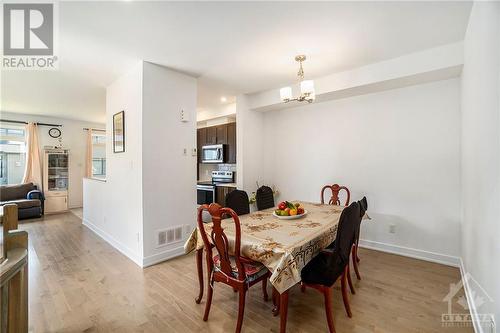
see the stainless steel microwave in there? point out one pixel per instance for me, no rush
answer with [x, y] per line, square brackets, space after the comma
[212, 154]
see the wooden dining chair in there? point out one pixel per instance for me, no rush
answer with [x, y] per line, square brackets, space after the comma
[234, 270]
[335, 199]
[322, 271]
[264, 197]
[363, 204]
[238, 201]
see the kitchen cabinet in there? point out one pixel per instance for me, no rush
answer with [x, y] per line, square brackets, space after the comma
[211, 135]
[201, 140]
[231, 143]
[221, 134]
[220, 194]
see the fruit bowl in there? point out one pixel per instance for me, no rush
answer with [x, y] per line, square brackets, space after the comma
[290, 217]
[289, 211]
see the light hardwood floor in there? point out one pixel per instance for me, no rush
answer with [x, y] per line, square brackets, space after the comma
[79, 283]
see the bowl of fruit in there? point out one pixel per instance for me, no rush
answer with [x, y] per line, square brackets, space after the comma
[289, 211]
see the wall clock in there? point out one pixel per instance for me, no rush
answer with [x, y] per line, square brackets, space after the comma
[54, 132]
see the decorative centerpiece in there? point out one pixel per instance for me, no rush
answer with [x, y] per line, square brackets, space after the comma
[289, 211]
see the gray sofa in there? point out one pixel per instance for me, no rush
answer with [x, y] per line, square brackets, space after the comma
[27, 197]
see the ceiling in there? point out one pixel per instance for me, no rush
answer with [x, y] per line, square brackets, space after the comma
[231, 47]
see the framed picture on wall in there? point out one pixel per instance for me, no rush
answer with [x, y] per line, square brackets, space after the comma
[119, 132]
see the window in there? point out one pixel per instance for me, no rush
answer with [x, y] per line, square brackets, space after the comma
[12, 153]
[99, 155]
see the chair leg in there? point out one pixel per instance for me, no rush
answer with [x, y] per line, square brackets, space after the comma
[264, 289]
[355, 262]
[209, 301]
[199, 268]
[327, 293]
[241, 310]
[344, 293]
[349, 280]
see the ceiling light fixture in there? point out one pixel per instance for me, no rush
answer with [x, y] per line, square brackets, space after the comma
[223, 99]
[306, 86]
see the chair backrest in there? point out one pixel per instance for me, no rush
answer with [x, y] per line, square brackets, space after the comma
[219, 241]
[237, 200]
[264, 197]
[363, 206]
[346, 231]
[334, 199]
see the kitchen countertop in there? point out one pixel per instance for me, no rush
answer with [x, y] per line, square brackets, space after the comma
[218, 184]
[227, 185]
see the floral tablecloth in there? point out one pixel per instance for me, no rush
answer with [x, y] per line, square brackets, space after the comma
[283, 246]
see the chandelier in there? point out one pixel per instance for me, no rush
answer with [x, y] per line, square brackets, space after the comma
[306, 86]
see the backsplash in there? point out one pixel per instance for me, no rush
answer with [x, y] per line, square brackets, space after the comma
[206, 170]
[226, 167]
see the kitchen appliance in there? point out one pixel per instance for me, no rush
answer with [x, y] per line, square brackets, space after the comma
[212, 154]
[222, 177]
[205, 193]
[206, 190]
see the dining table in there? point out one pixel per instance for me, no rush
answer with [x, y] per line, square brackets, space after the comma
[284, 246]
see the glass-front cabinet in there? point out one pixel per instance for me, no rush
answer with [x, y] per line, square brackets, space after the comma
[56, 180]
[58, 172]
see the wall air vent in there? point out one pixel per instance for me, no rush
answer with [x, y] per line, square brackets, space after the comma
[172, 235]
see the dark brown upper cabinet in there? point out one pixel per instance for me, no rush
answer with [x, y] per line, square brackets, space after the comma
[221, 134]
[211, 135]
[231, 143]
[201, 140]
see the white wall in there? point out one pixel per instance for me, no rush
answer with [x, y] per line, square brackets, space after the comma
[249, 145]
[74, 138]
[481, 152]
[152, 185]
[120, 222]
[169, 176]
[400, 148]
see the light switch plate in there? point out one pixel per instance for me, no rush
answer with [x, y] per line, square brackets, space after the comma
[184, 116]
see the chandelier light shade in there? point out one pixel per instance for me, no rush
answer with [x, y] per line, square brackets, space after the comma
[306, 86]
[286, 93]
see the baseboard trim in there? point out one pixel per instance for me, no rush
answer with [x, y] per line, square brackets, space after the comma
[412, 253]
[163, 256]
[470, 300]
[113, 242]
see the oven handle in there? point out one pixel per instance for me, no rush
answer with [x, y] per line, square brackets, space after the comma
[205, 187]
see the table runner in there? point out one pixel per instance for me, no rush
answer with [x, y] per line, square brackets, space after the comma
[283, 246]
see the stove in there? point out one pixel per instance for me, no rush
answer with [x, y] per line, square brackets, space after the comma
[206, 189]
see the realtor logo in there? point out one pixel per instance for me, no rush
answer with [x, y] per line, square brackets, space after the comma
[477, 297]
[28, 36]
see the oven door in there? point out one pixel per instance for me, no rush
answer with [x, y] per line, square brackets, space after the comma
[212, 154]
[205, 194]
